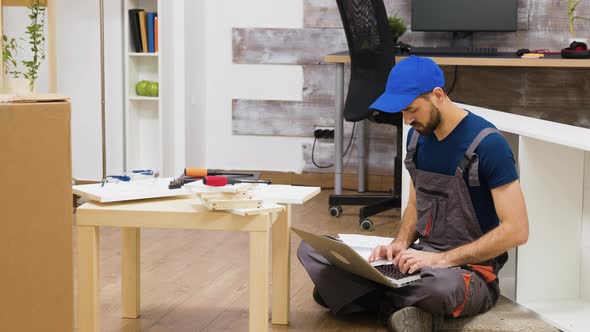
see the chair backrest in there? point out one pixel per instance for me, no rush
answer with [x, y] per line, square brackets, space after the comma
[372, 54]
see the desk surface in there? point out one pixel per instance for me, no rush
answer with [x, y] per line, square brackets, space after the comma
[503, 60]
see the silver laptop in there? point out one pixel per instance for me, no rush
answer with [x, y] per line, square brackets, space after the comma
[347, 259]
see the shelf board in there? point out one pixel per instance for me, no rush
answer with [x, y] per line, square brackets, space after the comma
[142, 54]
[143, 98]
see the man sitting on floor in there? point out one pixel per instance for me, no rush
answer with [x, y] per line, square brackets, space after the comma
[465, 206]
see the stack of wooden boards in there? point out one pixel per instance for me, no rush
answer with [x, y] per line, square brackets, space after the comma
[242, 198]
[230, 197]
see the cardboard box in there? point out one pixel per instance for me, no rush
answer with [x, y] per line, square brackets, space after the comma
[36, 268]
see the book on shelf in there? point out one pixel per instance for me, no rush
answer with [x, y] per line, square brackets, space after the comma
[143, 31]
[134, 29]
[150, 30]
[156, 33]
[143, 27]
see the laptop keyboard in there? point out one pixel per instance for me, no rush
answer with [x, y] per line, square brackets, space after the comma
[391, 271]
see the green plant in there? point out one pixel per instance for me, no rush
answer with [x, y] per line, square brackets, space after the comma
[397, 26]
[10, 49]
[36, 38]
[571, 14]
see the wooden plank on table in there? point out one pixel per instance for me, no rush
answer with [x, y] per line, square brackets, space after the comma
[285, 46]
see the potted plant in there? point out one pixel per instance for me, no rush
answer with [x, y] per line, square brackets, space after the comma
[572, 17]
[397, 26]
[36, 39]
[13, 81]
[11, 50]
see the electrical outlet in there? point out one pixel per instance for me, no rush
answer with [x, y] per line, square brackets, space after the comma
[323, 132]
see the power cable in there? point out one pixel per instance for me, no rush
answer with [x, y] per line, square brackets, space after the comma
[344, 154]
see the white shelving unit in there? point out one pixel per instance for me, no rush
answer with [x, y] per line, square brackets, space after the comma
[154, 126]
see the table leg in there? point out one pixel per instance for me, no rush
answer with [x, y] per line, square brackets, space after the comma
[88, 279]
[339, 129]
[281, 263]
[361, 141]
[130, 287]
[259, 269]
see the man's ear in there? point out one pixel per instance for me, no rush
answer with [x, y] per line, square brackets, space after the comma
[439, 95]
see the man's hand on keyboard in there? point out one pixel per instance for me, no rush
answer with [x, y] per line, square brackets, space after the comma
[388, 252]
[410, 261]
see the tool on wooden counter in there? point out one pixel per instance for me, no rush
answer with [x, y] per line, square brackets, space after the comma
[219, 181]
[201, 172]
[131, 175]
[192, 174]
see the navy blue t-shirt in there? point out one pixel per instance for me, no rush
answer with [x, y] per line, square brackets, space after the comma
[496, 162]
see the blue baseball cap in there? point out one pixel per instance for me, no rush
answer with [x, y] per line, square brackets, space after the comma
[407, 80]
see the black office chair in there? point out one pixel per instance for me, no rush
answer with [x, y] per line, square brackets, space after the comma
[372, 55]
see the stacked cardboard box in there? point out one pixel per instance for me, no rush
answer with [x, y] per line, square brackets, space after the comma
[36, 275]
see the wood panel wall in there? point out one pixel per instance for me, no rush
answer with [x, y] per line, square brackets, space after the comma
[552, 94]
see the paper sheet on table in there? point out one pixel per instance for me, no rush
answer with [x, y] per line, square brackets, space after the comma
[364, 244]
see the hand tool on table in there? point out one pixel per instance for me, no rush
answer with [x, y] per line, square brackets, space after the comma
[219, 181]
[192, 174]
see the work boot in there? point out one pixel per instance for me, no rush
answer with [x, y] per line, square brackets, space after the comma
[413, 319]
[318, 299]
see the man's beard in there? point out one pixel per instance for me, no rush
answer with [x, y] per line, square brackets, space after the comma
[433, 122]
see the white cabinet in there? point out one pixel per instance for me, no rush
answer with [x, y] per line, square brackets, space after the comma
[154, 126]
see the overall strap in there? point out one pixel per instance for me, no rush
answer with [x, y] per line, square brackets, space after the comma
[471, 159]
[409, 161]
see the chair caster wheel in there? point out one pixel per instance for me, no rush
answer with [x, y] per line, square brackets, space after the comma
[335, 210]
[367, 224]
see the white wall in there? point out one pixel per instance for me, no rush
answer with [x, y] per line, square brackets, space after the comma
[78, 76]
[114, 103]
[212, 80]
[217, 80]
[195, 79]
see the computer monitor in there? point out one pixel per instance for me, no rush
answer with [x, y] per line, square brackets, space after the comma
[463, 17]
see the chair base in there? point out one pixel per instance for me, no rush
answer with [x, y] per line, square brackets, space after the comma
[373, 204]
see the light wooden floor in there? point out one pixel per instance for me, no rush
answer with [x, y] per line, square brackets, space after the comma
[198, 280]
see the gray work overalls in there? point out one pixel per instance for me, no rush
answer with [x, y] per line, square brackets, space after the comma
[446, 220]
